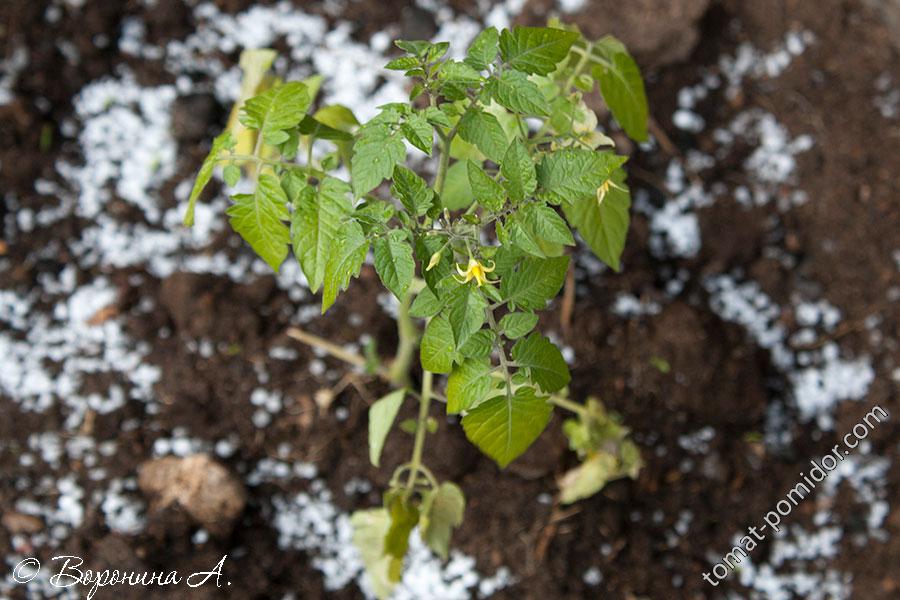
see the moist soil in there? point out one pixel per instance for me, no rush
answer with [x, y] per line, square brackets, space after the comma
[843, 239]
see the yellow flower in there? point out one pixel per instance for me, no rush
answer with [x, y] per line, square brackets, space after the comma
[475, 270]
[603, 190]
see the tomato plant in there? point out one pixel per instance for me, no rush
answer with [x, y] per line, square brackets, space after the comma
[473, 254]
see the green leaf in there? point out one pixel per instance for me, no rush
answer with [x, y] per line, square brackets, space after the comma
[459, 74]
[402, 64]
[504, 427]
[518, 171]
[315, 224]
[457, 190]
[517, 324]
[344, 261]
[377, 149]
[465, 312]
[442, 511]
[469, 383]
[536, 281]
[543, 360]
[369, 530]
[425, 305]
[483, 49]
[313, 127]
[484, 131]
[514, 91]
[535, 50]
[419, 132]
[394, 262]
[438, 347]
[437, 117]
[571, 174]
[259, 219]
[415, 47]
[426, 247]
[223, 141]
[381, 417]
[278, 108]
[545, 223]
[588, 478]
[413, 192]
[485, 188]
[479, 344]
[603, 225]
[622, 87]
[232, 175]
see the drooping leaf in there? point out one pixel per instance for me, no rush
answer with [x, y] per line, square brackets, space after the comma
[344, 261]
[535, 49]
[543, 360]
[535, 281]
[222, 142]
[518, 171]
[504, 427]
[438, 347]
[315, 224]
[404, 517]
[485, 188]
[259, 219]
[483, 130]
[394, 262]
[622, 87]
[514, 91]
[517, 324]
[442, 511]
[469, 383]
[483, 49]
[603, 224]
[413, 192]
[588, 478]
[381, 418]
[369, 530]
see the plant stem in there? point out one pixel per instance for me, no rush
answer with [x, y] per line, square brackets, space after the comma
[567, 404]
[424, 403]
[408, 335]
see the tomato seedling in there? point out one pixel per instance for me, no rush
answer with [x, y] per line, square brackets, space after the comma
[474, 254]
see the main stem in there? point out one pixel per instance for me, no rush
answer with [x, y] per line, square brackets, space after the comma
[408, 335]
[415, 462]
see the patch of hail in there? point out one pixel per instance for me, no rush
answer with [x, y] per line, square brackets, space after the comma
[819, 377]
[9, 73]
[129, 158]
[794, 566]
[769, 170]
[310, 522]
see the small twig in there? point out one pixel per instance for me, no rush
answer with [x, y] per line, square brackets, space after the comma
[568, 301]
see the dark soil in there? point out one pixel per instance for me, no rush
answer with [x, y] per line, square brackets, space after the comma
[842, 239]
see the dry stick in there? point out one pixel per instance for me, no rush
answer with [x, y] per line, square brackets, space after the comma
[349, 357]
